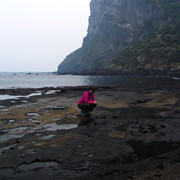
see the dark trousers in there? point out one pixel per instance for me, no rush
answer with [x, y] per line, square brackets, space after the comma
[86, 106]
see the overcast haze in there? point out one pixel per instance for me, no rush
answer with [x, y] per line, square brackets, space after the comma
[36, 35]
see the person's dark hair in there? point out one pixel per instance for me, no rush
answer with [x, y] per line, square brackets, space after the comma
[91, 88]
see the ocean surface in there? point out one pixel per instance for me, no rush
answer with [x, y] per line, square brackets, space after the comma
[39, 80]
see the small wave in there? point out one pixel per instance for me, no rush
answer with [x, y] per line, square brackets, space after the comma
[176, 78]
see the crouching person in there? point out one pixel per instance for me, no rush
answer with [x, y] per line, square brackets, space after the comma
[87, 102]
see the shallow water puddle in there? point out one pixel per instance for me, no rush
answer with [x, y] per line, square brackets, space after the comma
[5, 148]
[61, 108]
[27, 167]
[6, 96]
[22, 131]
[52, 92]
[54, 127]
[38, 93]
[15, 133]
[12, 120]
[47, 137]
[3, 110]
[2, 106]
[33, 114]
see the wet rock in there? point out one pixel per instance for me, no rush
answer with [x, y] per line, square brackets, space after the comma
[8, 120]
[59, 108]
[129, 178]
[86, 120]
[123, 140]
[143, 100]
[176, 115]
[3, 132]
[166, 114]
[5, 172]
[177, 160]
[157, 175]
[160, 166]
[118, 134]
[151, 149]
[163, 126]
[69, 119]
[35, 165]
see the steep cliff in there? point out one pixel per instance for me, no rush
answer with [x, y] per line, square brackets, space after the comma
[128, 35]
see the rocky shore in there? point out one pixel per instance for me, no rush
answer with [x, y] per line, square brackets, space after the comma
[133, 134]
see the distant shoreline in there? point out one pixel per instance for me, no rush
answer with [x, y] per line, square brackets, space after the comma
[142, 72]
[128, 73]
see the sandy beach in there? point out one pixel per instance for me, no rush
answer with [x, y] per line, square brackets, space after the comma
[133, 134]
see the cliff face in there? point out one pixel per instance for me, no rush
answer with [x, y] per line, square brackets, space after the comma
[122, 35]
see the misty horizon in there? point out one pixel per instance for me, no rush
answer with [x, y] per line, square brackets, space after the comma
[37, 35]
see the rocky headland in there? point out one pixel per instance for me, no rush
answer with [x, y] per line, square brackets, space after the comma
[132, 134]
[129, 36]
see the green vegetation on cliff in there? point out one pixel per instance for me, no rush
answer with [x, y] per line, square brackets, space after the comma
[161, 51]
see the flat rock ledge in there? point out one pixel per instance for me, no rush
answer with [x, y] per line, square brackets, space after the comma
[133, 134]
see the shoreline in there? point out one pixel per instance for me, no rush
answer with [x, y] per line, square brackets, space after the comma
[133, 133]
[141, 72]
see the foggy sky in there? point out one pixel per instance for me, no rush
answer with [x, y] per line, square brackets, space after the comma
[36, 35]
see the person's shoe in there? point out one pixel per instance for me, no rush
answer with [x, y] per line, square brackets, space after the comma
[87, 114]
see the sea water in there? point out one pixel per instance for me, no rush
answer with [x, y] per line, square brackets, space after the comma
[47, 79]
[39, 80]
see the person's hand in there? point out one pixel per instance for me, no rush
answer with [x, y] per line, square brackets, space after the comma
[95, 102]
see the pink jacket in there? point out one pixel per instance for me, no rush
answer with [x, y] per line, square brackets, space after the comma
[87, 98]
